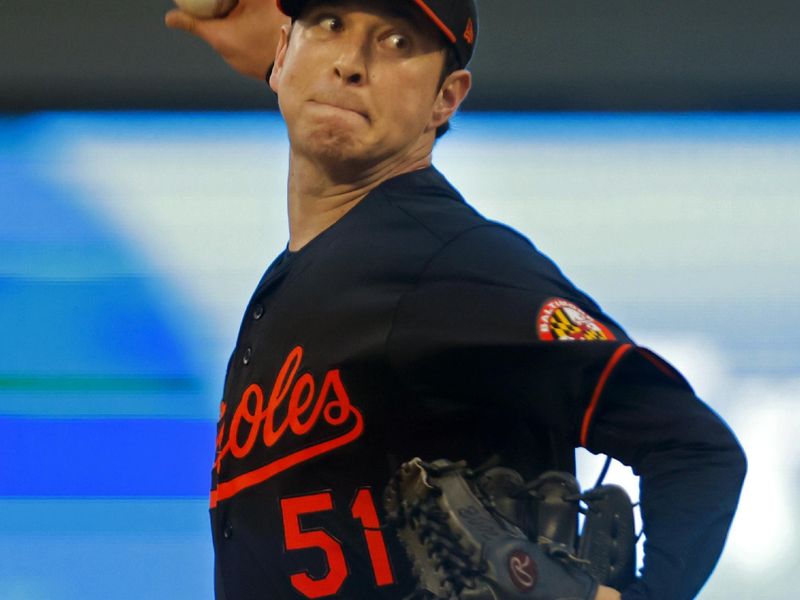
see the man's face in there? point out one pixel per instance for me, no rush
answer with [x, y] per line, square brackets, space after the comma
[358, 81]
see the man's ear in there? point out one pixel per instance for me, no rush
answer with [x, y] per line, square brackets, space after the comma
[280, 56]
[452, 93]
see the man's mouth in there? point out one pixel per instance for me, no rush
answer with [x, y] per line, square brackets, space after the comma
[344, 106]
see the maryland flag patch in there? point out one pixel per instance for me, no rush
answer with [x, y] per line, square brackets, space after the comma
[562, 321]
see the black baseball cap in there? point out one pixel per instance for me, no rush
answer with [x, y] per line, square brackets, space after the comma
[456, 19]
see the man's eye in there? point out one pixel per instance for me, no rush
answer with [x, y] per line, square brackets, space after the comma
[331, 23]
[398, 42]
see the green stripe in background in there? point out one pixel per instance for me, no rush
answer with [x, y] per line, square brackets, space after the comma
[89, 396]
[100, 383]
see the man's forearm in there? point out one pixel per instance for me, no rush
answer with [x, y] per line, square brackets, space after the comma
[691, 470]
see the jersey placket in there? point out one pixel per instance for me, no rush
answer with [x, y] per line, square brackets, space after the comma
[254, 324]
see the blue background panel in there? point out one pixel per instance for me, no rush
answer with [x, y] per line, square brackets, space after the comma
[129, 244]
[105, 457]
[88, 327]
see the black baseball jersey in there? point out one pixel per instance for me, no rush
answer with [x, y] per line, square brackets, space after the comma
[415, 327]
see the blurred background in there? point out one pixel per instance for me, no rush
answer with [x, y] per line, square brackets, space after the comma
[652, 149]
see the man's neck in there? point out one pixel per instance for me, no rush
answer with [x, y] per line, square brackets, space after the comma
[318, 197]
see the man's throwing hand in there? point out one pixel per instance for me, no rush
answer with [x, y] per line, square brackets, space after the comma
[246, 38]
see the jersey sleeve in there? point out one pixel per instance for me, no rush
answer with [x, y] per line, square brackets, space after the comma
[492, 322]
[690, 465]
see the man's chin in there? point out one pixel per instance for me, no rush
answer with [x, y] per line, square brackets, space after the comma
[332, 146]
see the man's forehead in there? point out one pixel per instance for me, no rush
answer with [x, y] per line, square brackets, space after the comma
[454, 21]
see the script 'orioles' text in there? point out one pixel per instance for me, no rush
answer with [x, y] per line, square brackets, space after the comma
[294, 407]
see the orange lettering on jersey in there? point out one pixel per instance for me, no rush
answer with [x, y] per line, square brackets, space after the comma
[304, 410]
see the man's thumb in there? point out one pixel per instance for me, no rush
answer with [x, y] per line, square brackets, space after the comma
[177, 19]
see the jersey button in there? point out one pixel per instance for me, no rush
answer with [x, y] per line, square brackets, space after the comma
[227, 533]
[248, 354]
[258, 312]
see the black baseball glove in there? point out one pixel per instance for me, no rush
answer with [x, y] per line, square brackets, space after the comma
[488, 535]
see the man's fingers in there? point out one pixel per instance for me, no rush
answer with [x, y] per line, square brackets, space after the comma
[208, 30]
[177, 19]
[245, 38]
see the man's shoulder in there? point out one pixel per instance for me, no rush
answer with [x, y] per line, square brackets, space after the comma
[463, 238]
[493, 251]
[429, 201]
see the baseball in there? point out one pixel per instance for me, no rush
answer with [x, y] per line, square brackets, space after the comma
[206, 9]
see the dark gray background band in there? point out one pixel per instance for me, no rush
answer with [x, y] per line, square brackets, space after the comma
[533, 54]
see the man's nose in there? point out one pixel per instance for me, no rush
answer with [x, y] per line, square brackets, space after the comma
[351, 64]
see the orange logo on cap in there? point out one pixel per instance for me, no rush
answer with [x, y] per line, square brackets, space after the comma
[469, 32]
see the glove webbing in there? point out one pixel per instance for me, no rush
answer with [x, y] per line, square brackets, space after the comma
[456, 567]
